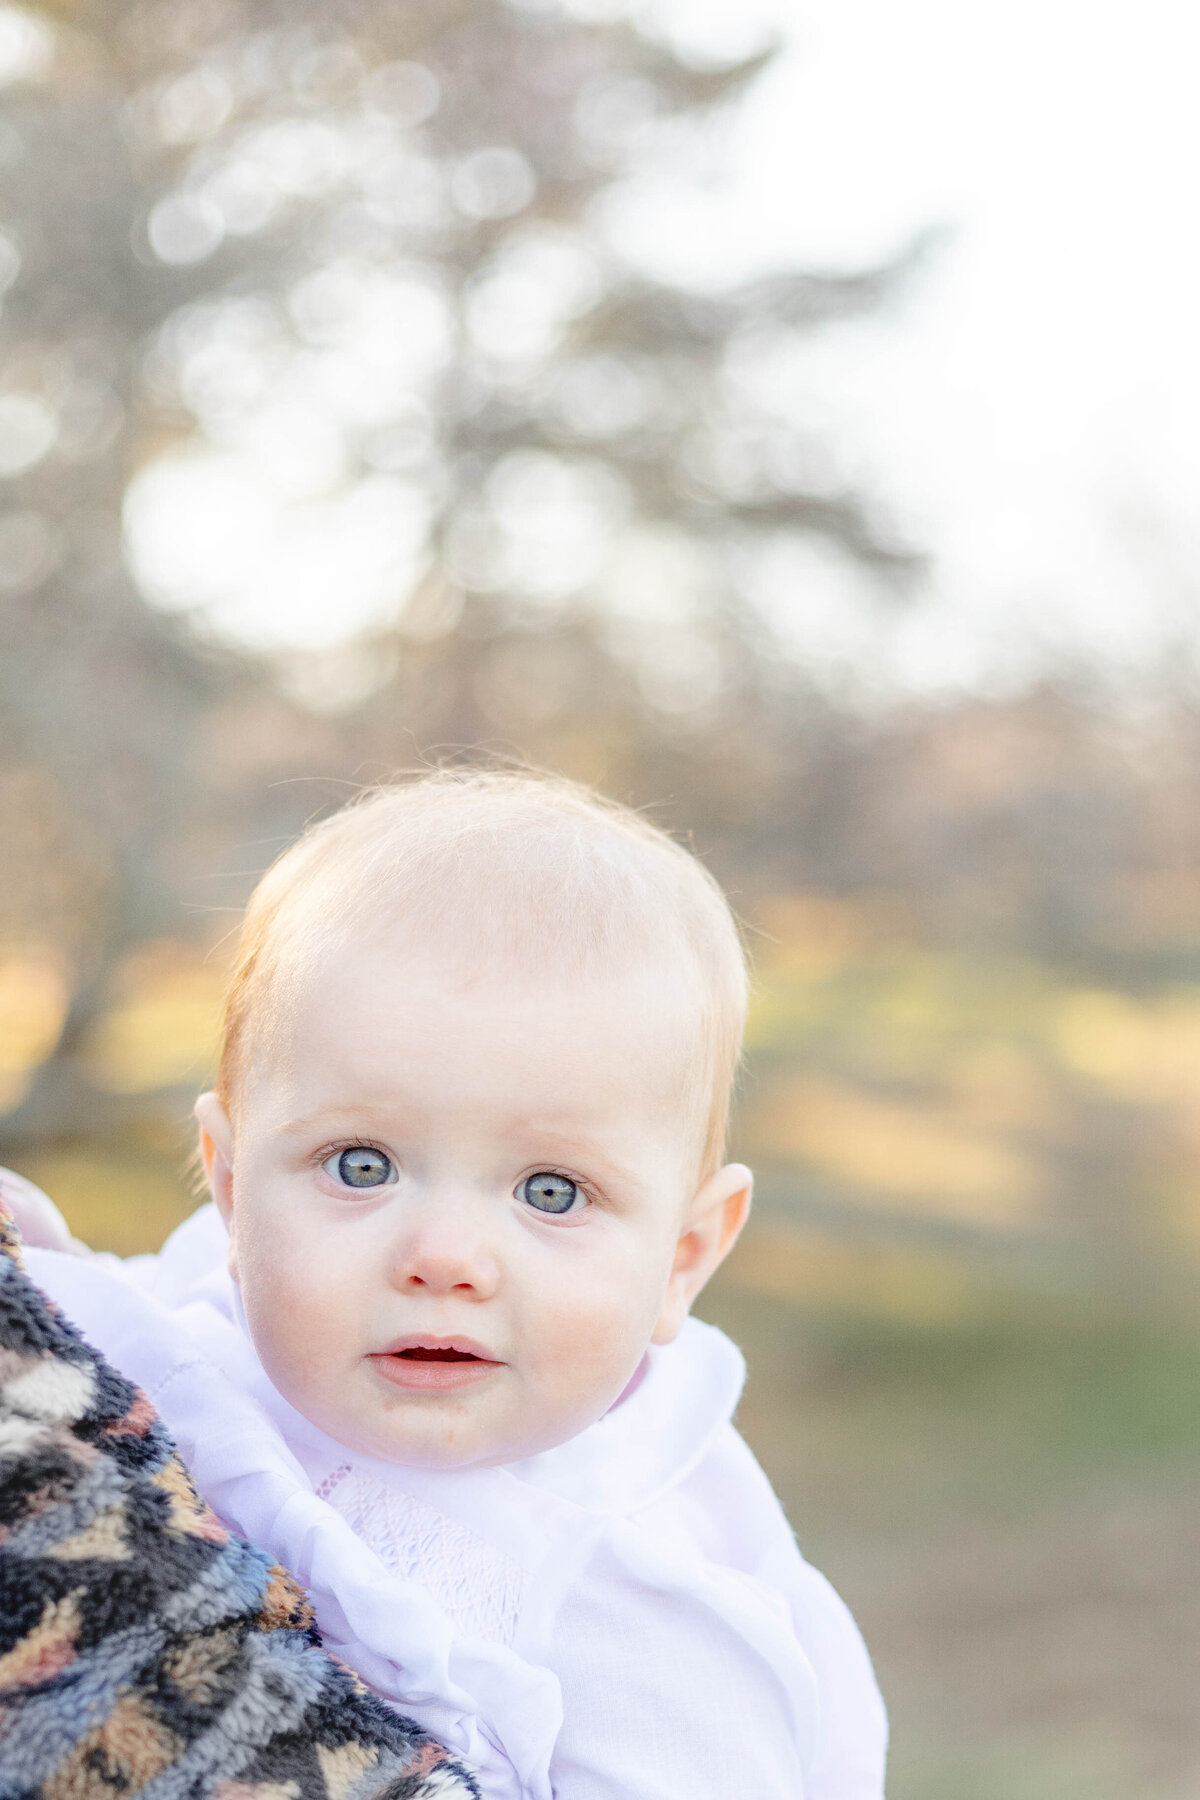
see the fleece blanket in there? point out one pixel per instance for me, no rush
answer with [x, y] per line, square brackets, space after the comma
[147, 1652]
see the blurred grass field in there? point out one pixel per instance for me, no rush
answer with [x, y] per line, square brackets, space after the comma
[968, 1303]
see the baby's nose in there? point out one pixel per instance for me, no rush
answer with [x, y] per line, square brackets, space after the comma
[445, 1248]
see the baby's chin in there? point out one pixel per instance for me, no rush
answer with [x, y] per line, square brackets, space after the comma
[423, 1437]
[431, 1450]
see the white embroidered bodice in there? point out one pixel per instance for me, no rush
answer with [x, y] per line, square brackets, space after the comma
[474, 1582]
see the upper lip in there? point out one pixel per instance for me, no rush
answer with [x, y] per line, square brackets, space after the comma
[432, 1340]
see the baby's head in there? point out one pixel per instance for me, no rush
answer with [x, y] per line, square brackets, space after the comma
[469, 1126]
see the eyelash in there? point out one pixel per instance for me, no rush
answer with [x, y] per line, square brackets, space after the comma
[354, 1143]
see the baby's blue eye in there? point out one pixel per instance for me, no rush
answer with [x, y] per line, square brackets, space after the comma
[550, 1193]
[361, 1167]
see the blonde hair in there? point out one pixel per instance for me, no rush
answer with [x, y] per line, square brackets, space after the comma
[498, 868]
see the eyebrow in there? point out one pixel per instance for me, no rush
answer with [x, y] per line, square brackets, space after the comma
[306, 1122]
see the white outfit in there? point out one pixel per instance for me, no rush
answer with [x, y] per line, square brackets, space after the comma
[624, 1617]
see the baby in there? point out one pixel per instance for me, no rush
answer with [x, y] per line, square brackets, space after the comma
[431, 1346]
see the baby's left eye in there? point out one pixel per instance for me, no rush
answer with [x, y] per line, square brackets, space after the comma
[551, 1193]
[360, 1166]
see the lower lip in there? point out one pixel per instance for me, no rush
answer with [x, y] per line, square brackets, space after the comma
[431, 1377]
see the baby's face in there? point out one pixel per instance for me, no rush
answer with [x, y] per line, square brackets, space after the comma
[460, 1208]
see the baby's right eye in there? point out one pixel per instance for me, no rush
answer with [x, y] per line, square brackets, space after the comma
[360, 1167]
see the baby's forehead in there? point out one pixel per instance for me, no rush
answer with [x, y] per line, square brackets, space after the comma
[598, 1070]
[380, 995]
[398, 961]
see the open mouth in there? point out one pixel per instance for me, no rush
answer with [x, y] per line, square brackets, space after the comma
[434, 1367]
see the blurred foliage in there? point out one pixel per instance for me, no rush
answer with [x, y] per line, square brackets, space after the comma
[359, 245]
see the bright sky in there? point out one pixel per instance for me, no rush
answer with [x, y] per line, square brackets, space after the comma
[1029, 406]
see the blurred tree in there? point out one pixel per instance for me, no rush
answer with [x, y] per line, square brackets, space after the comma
[357, 244]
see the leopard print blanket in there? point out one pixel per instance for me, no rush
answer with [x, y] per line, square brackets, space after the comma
[145, 1650]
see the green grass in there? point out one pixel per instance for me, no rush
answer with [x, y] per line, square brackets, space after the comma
[869, 1417]
[1033, 1770]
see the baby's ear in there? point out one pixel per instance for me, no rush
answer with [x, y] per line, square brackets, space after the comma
[710, 1231]
[216, 1153]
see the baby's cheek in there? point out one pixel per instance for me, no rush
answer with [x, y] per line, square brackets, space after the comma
[293, 1300]
[590, 1348]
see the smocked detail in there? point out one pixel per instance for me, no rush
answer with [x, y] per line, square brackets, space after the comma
[475, 1583]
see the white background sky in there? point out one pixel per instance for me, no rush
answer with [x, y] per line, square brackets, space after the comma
[1029, 405]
